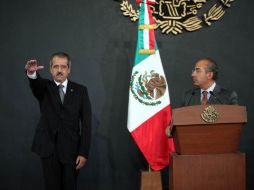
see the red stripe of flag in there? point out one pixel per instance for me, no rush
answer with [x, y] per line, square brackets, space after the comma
[151, 31]
[151, 138]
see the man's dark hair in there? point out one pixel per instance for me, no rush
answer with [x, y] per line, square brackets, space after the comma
[211, 67]
[62, 55]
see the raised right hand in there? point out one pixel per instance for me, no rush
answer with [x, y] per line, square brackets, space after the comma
[32, 66]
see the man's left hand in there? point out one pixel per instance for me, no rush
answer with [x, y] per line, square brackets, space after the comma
[80, 162]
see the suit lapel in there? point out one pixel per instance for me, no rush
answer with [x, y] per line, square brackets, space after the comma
[55, 91]
[69, 92]
[197, 97]
[194, 97]
[216, 91]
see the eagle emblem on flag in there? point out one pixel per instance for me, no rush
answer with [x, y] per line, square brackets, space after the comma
[148, 87]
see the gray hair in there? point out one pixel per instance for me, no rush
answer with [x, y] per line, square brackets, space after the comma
[62, 55]
[211, 67]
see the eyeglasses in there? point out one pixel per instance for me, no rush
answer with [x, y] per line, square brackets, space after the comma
[197, 70]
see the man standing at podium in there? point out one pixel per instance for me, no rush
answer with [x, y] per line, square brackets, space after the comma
[213, 150]
[207, 91]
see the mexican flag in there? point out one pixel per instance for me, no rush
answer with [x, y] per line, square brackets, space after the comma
[149, 111]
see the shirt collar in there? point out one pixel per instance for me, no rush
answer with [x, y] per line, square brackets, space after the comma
[64, 83]
[210, 89]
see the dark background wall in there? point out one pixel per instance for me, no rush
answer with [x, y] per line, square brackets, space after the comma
[101, 43]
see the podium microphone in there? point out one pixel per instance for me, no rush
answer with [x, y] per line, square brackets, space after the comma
[192, 94]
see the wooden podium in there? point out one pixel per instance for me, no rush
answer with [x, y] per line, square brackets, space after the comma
[207, 156]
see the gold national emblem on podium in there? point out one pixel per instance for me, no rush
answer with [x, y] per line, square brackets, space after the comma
[210, 115]
[176, 16]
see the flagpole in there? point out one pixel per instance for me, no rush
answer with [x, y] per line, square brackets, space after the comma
[149, 113]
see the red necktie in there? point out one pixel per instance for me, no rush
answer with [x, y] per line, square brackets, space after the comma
[204, 98]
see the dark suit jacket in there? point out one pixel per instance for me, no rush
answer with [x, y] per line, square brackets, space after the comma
[219, 96]
[63, 128]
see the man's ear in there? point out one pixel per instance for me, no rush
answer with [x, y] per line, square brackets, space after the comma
[210, 75]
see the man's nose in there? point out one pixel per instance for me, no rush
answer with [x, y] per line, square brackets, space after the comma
[59, 69]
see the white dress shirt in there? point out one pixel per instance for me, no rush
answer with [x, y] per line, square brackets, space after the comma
[210, 89]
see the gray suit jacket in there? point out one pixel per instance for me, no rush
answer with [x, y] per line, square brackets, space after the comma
[218, 96]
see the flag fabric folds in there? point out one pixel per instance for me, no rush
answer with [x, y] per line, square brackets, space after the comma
[149, 111]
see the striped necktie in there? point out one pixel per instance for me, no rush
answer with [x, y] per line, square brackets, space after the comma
[61, 92]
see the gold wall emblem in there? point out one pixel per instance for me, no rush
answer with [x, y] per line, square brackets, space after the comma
[210, 115]
[176, 16]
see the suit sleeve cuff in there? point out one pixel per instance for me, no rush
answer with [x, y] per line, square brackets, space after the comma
[32, 76]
